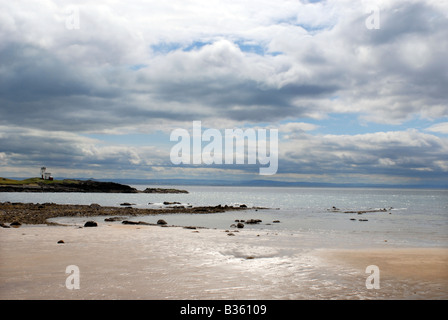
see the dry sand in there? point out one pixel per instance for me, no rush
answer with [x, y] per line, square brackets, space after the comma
[148, 262]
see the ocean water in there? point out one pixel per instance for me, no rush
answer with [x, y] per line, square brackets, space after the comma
[413, 218]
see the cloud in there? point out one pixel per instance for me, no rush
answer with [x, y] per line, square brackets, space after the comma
[388, 75]
[396, 153]
[439, 128]
[150, 67]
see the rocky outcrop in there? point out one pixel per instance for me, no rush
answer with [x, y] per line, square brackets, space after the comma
[71, 186]
[82, 186]
[38, 213]
[163, 190]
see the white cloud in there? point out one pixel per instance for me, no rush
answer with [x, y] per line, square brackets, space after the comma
[439, 128]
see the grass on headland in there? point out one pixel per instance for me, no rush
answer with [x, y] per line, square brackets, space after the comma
[30, 181]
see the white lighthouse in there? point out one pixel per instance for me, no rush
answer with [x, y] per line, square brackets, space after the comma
[45, 175]
[42, 172]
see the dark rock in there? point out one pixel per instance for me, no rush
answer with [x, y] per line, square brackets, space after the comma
[240, 225]
[90, 224]
[243, 206]
[162, 190]
[168, 203]
[129, 222]
[276, 221]
[253, 221]
[161, 221]
[136, 222]
[4, 225]
[61, 241]
[15, 224]
[127, 204]
[111, 219]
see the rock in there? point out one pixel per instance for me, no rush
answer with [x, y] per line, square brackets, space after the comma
[161, 221]
[276, 221]
[363, 220]
[15, 224]
[95, 206]
[127, 204]
[61, 241]
[90, 224]
[111, 219]
[240, 225]
[243, 206]
[253, 221]
[233, 225]
[353, 219]
[136, 222]
[3, 225]
[129, 222]
[168, 203]
[230, 234]
[162, 190]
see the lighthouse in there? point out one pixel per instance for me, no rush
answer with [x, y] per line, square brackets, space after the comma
[42, 172]
[45, 175]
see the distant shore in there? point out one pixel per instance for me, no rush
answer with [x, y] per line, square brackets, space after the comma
[68, 185]
[35, 213]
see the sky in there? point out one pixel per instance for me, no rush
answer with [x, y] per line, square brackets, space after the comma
[358, 90]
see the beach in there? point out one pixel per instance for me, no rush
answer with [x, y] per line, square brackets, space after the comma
[117, 261]
[320, 247]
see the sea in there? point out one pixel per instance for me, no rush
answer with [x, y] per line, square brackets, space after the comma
[330, 217]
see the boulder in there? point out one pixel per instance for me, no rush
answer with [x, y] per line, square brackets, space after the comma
[161, 221]
[90, 224]
[240, 225]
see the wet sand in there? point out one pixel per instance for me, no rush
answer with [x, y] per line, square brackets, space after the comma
[148, 262]
[422, 264]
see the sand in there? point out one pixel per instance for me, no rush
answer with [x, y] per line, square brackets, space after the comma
[118, 261]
